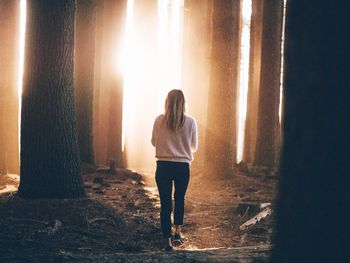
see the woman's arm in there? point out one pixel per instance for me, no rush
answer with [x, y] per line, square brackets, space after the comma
[194, 136]
[153, 139]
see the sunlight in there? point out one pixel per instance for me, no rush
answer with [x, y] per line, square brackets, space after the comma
[169, 46]
[9, 183]
[243, 76]
[280, 106]
[22, 28]
[151, 60]
[8, 189]
[126, 57]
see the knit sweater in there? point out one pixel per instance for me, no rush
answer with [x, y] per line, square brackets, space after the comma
[175, 146]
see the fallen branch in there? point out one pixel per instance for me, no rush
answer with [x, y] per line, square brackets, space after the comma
[256, 218]
[263, 205]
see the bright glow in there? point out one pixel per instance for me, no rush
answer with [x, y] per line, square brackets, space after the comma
[9, 183]
[22, 28]
[151, 64]
[243, 76]
[280, 106]
[125, 54]
[169, 46]
[8, 189]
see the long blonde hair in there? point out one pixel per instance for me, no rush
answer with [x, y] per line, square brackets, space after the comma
[175, 110]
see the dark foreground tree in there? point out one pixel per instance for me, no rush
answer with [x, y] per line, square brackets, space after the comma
[84, 75]
[50, 162]
[221, 133]
[314, 198]
[9, 27]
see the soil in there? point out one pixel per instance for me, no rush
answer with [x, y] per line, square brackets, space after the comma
[118, 221]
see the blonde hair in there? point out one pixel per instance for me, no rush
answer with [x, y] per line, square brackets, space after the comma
[175, 110]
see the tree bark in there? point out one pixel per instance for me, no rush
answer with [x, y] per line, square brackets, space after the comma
[84, 76]
[117, 15]
[312, 222]
[50, 162]
[268, 122]
[196, 66]
[254, 81]
[110, 102]
[9, 98]
[222, 104]
[97, 83]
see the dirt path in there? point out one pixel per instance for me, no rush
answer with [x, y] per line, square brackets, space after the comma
[217, 208]
[119, 219]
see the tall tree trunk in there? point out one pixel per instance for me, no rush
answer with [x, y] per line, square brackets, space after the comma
[254, 81]
[97, 149]
[268, 122]
[116, 14]
[222, 104]
[9, 98]
[312, 207]
[50, 162]
[110, 102]
[84, 76]
[196, 67]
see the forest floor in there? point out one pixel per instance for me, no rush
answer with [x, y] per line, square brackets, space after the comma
[118, 221]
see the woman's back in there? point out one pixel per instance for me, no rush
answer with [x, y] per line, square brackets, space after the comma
[175, 146]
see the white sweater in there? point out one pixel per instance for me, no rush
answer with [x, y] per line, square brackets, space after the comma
[175, 147]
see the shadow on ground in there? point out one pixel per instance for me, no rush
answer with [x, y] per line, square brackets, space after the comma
[118, 221]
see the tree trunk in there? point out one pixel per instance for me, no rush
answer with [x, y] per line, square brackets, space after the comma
[116, 14]
[50, 162]
[268, 122]
[254, 81]
[84, 76]
[196, 66]
[97, 149]
[313, 201]
[222, 104]
[111, 86]
[9, 98]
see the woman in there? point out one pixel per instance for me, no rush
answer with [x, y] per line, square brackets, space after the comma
[175, 138]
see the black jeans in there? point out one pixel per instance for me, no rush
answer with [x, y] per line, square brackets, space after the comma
[166, 173]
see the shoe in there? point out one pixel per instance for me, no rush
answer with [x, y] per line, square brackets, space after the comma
[169, 248]
[177, 240]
